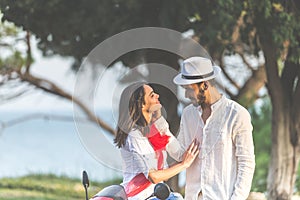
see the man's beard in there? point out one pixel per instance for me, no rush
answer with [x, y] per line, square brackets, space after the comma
[201, 98]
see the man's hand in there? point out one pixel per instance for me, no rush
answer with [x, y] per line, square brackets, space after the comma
[155, 112]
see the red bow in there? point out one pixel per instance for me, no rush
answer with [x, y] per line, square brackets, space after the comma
[159, 143]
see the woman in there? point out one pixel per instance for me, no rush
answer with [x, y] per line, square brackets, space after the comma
[144, 139]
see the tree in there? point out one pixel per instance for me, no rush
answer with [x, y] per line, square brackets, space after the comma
[15, 71]
[271, 28]
[77, 34]
[280, 44]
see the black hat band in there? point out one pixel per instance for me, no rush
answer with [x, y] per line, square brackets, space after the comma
[198, 77]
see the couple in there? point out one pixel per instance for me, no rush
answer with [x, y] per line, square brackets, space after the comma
[214, 143]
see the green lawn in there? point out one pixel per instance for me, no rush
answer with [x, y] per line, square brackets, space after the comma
[46, 187]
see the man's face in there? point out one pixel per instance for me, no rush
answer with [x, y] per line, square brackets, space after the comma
[195, 93]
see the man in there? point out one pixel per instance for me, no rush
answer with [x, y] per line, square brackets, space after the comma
[225, 166]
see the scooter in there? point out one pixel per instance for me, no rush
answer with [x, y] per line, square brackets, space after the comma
[117, 192]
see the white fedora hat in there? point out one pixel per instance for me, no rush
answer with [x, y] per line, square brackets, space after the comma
[196, 70]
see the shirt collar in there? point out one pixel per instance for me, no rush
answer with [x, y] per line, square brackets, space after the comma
[214, 106]
[217, 104]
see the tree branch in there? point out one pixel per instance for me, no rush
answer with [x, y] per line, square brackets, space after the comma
[248, 93]
[227, 75]
[29, 117]
[11, 88]
[5, 98]
[29, 55]
[3, 44]
[245, 61]
[235, 37]
[13, 122]
[52, 88]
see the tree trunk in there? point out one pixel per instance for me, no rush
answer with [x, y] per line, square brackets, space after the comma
[284, 156]
[285, 153]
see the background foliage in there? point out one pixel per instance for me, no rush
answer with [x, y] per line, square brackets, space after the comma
[246, 28]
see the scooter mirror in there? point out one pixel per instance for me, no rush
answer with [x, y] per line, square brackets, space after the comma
[85, 179]
[86, 183]
[161, 191]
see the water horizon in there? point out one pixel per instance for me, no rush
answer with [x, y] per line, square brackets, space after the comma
[40, 146]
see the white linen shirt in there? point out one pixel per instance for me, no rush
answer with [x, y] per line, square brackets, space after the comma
[138, 156]
[225, 166]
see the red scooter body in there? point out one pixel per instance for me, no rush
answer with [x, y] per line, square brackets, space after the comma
[118, 192]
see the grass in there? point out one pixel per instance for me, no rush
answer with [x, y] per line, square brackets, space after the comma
[47, 187]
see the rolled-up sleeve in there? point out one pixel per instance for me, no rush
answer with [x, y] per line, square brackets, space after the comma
[174, 148]
[133, 163]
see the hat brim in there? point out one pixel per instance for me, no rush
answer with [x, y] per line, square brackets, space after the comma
[181, 81]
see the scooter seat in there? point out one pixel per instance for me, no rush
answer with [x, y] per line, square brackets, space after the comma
[112, 192]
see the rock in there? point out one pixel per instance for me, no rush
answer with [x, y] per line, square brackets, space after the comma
[296, 197]
[256, 196]
[262, 196]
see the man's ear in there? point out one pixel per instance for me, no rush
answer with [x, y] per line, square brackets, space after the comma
[205, 84]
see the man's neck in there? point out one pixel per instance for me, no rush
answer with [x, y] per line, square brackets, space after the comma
[214, 97]
[206, 112]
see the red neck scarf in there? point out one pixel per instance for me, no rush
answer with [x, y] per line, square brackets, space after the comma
[159, 143]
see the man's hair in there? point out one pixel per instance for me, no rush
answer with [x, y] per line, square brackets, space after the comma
[212, 82]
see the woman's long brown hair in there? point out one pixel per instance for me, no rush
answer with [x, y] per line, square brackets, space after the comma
[130, 112]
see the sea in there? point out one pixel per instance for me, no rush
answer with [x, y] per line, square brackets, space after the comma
[44, 143]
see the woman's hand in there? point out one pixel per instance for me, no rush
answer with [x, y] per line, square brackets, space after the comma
[189, 156]
[191, 153]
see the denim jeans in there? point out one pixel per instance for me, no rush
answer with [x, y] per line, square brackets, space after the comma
[173, 196]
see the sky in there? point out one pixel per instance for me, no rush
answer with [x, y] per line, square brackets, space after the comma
[56, 69]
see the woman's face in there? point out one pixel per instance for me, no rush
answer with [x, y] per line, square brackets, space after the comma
[150, 97]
